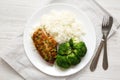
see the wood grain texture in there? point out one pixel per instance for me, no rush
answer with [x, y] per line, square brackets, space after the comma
[15, 13]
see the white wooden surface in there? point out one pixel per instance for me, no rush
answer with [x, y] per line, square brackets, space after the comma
[14, 14]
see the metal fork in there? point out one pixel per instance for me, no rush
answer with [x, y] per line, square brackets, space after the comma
[106, 26]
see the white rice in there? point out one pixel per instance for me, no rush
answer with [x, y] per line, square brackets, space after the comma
[62, 25]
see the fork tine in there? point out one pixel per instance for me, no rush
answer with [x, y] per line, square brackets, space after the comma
[108, 20]
[105, 21]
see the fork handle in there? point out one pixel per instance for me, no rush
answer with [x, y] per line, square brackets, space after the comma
[105, 58]
[96, 57]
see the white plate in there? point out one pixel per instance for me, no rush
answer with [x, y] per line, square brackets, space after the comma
[35, 58]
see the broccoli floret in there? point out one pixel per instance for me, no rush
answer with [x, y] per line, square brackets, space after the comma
[72, 58]
[62, 61]
[64, 49]
[73, 41]
[78, 45]
[84, 49]
[80, 49]
[77, 53]
[70, 53]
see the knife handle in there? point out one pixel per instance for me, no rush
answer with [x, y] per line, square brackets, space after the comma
[96, 57]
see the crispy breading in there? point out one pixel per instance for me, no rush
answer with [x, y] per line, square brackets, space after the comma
[45, 45]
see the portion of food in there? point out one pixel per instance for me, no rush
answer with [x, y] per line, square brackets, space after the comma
[62, 25]
[70, 53]
[79, 47]
[45, 44]
[57, 39]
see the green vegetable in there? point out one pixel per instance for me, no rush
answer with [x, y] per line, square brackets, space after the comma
[62, 61]
[64, 49]
[73, 41]
[70, 53]
[79, 47]
[73, 60]
[77, 53]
